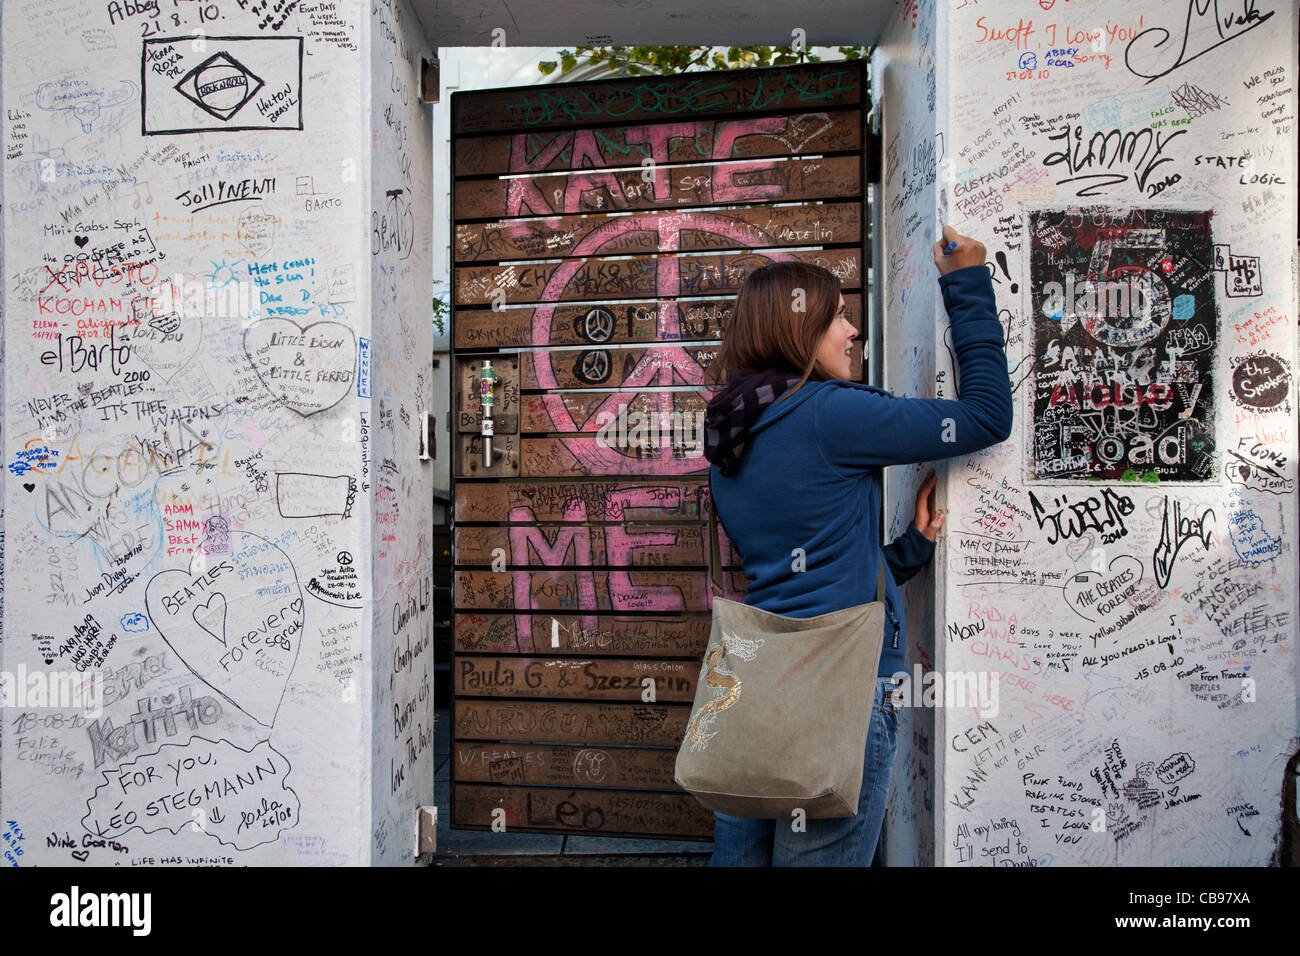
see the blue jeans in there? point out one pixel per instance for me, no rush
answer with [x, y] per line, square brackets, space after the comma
[826, 841]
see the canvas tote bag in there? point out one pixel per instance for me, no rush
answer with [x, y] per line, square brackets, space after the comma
[782, 706]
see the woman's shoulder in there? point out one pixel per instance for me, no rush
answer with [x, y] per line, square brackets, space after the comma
[863, 386]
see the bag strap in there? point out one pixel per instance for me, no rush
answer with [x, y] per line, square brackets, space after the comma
[715, 552]
[880, 577]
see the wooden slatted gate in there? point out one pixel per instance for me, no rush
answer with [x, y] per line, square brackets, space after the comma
[588, 217]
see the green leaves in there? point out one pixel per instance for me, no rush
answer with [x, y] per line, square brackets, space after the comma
[440, 310]
[662, 60]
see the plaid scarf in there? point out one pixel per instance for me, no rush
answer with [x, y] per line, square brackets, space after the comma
[732, 412]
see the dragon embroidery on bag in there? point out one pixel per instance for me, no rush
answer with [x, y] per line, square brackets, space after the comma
[725, 684]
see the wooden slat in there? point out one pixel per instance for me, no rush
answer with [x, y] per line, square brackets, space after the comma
[748, 228]
[660, 366]
[597, 323]
[578, 457]
[555, 766]
[618, 546]
[655, 591]
[616, 368]
[601, 323]
[663, 187]
[681, 140]
[561, 678]
[570, 412]
[594, 812]
[546, 722]
[596, 500]
[469, 456]
[599, 278]
[590, 635]
[773, 90]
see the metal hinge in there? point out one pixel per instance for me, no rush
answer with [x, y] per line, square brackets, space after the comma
[428, 436]
[426, 830]
[429, 82]
[872, 158]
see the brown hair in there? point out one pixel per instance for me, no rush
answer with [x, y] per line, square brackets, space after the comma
[766, 332]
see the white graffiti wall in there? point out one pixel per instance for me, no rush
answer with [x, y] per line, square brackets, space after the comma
[401, 392]
[207, 320]
[904, 83]
[1125, 564]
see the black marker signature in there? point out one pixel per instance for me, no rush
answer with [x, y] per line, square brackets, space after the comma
[1166, 552]
[1128, 149]
[1249, 18]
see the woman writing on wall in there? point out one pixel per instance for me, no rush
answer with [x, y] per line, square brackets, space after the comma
[797, 453]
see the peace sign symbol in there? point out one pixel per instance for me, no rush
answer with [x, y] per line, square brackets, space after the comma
[593, 367]
[676, 364]
[598, 324]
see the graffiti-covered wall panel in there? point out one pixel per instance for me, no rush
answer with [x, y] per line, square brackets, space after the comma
[397, 380]
[904, 75]
[185, 303]
[1122, 571]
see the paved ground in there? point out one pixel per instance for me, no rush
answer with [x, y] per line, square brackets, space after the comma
[484, 848]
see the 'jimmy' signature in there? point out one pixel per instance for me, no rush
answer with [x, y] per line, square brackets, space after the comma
[1249, 18]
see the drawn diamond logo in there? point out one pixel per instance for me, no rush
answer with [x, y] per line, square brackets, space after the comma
[221, 85]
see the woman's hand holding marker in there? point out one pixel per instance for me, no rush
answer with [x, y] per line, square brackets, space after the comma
[955, 251]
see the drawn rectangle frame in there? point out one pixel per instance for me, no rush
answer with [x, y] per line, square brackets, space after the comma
[144, 88]
[1025, 402]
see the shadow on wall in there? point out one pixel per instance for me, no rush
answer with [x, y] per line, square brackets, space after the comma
[1288, 852]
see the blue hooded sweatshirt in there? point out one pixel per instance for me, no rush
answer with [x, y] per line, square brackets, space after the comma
[810, 475]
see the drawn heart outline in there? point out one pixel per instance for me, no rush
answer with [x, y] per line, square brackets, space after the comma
[214, 619]
[266, 341]
[1078, 547]
[163, 350]
[796, 133]
[248, 671]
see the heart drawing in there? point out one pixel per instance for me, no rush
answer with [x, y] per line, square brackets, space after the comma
[236, 621]
[167, 343]
[1076, 548]
[212, 616]
[308, 369]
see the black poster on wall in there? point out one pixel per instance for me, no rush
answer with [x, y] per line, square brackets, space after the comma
[1125, 325]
